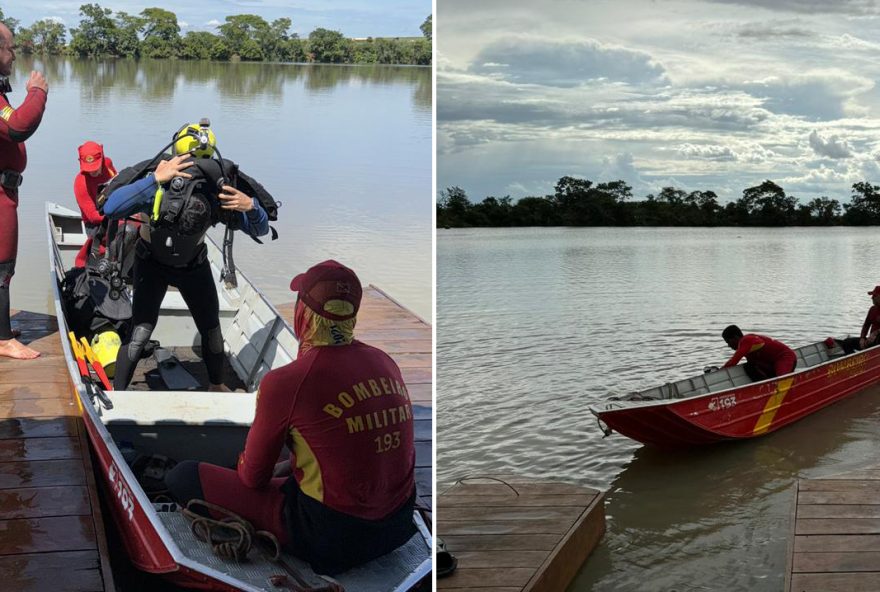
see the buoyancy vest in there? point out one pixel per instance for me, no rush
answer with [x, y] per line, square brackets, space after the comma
[170, 246]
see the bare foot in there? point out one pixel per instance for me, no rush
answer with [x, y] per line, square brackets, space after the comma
[12, 348]
[218, 388]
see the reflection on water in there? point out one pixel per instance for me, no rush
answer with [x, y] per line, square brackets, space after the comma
[535, 325]
[347, 149]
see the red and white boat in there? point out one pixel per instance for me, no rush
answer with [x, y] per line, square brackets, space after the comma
[727, 405]
[202, 426]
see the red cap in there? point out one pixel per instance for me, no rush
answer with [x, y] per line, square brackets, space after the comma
[91, 157]
[875, 291]
[325, 282]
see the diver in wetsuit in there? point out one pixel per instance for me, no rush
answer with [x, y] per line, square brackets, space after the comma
[183, 196]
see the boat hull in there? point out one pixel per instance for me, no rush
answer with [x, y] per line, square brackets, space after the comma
[747, 411]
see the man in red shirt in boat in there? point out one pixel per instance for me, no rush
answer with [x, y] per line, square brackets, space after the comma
[16, 126]
[347, 494]
[95, 169]
[766, 357]
[870, 329]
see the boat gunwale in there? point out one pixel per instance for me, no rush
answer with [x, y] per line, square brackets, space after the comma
[670, 402]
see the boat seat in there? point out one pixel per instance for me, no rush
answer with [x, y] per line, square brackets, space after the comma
[174, 301]
[812, 355]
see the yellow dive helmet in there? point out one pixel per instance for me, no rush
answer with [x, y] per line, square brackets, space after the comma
[106, 345]
[196, 139]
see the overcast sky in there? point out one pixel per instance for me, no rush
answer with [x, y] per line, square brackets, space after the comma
[713, 95]
[354, 18]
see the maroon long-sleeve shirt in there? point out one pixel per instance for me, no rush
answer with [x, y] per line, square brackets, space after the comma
[345, 414]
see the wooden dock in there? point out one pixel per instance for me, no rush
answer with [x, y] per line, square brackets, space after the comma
[388, 325]
[512, 534]
[835, 544]
[51, 528]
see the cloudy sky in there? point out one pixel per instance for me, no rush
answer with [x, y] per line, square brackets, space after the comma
[713, 95]
[355, 18]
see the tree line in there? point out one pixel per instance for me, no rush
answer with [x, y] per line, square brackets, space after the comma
[580, 202]
[155, 33]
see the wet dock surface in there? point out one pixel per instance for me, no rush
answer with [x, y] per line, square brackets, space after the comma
[51, 528]
[512, 534]
[388, 325]
[835, 543]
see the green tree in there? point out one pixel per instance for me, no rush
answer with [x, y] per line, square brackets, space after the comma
[453, 207]
[10, 22]
[768, 205]
[44, 36]
[427, 27]
[97, 34]
[161, 33]
[242, 32]
[824, 211]
[329, 46]
[864, 206]
[129, 27]
[295, 50]
[273, 39]
[197, 45]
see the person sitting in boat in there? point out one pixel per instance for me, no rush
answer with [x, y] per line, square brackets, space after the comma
[344, 412]
[766, 357]
[870, 329]
[95, 169]
[184, 195]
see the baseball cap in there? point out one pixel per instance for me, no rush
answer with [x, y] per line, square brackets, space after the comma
[876, 290]
[330, 289]
[91, 157]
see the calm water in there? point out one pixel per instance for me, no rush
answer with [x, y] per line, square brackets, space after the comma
[535, 325]
[346, 149]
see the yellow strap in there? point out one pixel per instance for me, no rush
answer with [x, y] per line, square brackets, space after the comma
[87, 349]
[157, 203]
[7, 112]
[77, 348]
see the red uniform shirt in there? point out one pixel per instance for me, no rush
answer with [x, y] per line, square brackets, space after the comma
[761, 351]
[85, 189]
[16, 126]
[872, 322]
[345, 414]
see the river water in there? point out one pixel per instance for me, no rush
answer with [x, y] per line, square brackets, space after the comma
[536, 325]
[347, 149]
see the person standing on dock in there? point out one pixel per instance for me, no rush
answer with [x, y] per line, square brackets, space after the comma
[16, 126]
[766, 357]
[346, 495]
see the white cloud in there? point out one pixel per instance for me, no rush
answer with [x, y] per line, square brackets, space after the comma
[183, 24]
[213, 23]
[833, 147]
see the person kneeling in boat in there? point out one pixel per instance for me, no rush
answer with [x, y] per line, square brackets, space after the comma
[343, 410]
[766, 357]
[870, 329]
[95, 169]
[185, 202]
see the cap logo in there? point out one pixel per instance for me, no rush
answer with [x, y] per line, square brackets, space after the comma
[343, 288]
[89, 158]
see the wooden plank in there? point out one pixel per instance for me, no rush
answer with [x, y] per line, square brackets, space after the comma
[424, 454]
[37, 502]
[466, 577]
[838, 526]
[21, 374]
[844, 582]
[41, 473]
[849, 495]
[837, 485]
[461, 543]
[37, 408]
[838, 511]
[422, 430]
[560, 568]
[511, 488]
[416, 375]
[841, 561]
[849, 542]
[38, 449]
[512, 558]
[500, 527]
[400, 346]
[37, 428]
[71, 571]
[479, 513]
[454, 501]
[35, 390]
[41, 535]
[420, 393]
